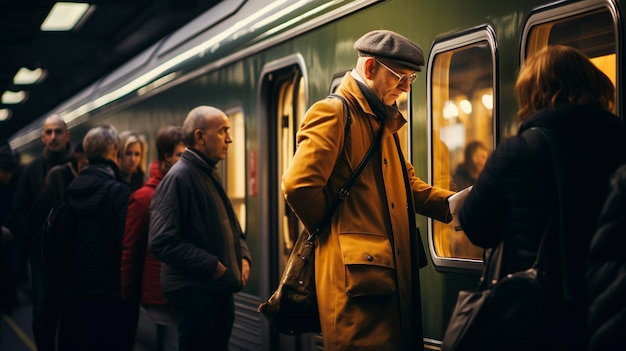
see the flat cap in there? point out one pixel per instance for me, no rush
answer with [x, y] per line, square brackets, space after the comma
[393, 46]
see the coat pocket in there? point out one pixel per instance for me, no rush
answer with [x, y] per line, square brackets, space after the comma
[369, 264]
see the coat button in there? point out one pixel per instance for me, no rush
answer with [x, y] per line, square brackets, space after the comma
[370, 258]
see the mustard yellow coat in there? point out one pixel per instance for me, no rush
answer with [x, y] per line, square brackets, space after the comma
[363, 265]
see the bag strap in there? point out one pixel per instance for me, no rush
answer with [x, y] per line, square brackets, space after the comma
[344, 191]
[558, 173]
[497, 254]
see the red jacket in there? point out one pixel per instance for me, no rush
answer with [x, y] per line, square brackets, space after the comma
[141, 271]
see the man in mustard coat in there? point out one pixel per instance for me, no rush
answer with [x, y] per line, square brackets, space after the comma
[366, 263]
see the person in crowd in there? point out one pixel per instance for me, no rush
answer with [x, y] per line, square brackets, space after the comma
[8, 185]
[366, 267]
[195, 232]
[605, 276]
[55, 183]
[29, 216]
[60, 176]
[515, 199]
[132, 158]
[466, 173]
[140, 275]
[94, 317]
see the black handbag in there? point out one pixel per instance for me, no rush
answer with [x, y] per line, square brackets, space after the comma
[292, 308]
[506, 314]
[503, 314]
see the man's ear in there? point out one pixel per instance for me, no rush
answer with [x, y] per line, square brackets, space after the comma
[197, 137]
[368, 68]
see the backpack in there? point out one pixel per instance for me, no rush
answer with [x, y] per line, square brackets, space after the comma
[58, 238]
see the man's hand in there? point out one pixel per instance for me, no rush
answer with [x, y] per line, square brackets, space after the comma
[6, 235]
[220, 269]
[245, 271]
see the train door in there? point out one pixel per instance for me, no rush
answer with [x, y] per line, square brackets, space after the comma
[593, 27]
[283, 99]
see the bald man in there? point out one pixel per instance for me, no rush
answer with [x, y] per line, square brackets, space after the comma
[195, 233]
[29, 217]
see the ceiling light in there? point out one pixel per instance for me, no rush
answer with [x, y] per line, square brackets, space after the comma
[64, 16]
[5, 114]
[13, 97]
[25, 76]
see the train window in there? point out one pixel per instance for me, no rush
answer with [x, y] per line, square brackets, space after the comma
[235, 179]
[590, 27]
[461, 89]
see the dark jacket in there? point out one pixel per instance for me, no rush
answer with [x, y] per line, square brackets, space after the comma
[57, 180]
[27, 212]
[606, 272]
[141, 271]
[134, 180]
[515, 198]
[100, 200]
[193, 225]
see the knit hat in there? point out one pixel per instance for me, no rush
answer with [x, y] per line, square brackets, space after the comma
[392, 46]
[7, 159]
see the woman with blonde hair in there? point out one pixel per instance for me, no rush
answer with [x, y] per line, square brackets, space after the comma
[132, 157]
[515, 198]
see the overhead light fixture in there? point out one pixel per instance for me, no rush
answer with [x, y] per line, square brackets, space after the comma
[25, 76]
[5, 114]
[13, 97]
[64, 16]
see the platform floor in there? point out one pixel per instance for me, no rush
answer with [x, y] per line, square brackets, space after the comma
[16, 331]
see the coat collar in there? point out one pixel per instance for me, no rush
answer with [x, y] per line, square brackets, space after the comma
[571, 119]
[199, 159]
[350, 88]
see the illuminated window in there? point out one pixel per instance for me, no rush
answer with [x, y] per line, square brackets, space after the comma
[235, 167]
[462, 111]
[590, 29]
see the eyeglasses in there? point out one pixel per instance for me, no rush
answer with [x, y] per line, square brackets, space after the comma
[402, 78]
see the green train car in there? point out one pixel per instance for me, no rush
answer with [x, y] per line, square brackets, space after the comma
[265, 62]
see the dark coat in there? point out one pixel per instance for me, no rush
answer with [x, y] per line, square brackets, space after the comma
[100, 200]
[57, 180]
[606, 272]
[28, 214]
[515, 198]
[192, 226]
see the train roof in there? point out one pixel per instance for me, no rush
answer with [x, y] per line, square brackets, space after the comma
[231, 29]
[111, 33]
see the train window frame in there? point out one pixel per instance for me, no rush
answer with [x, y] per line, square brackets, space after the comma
[336, 81]
[483, 33]
[559, 12]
